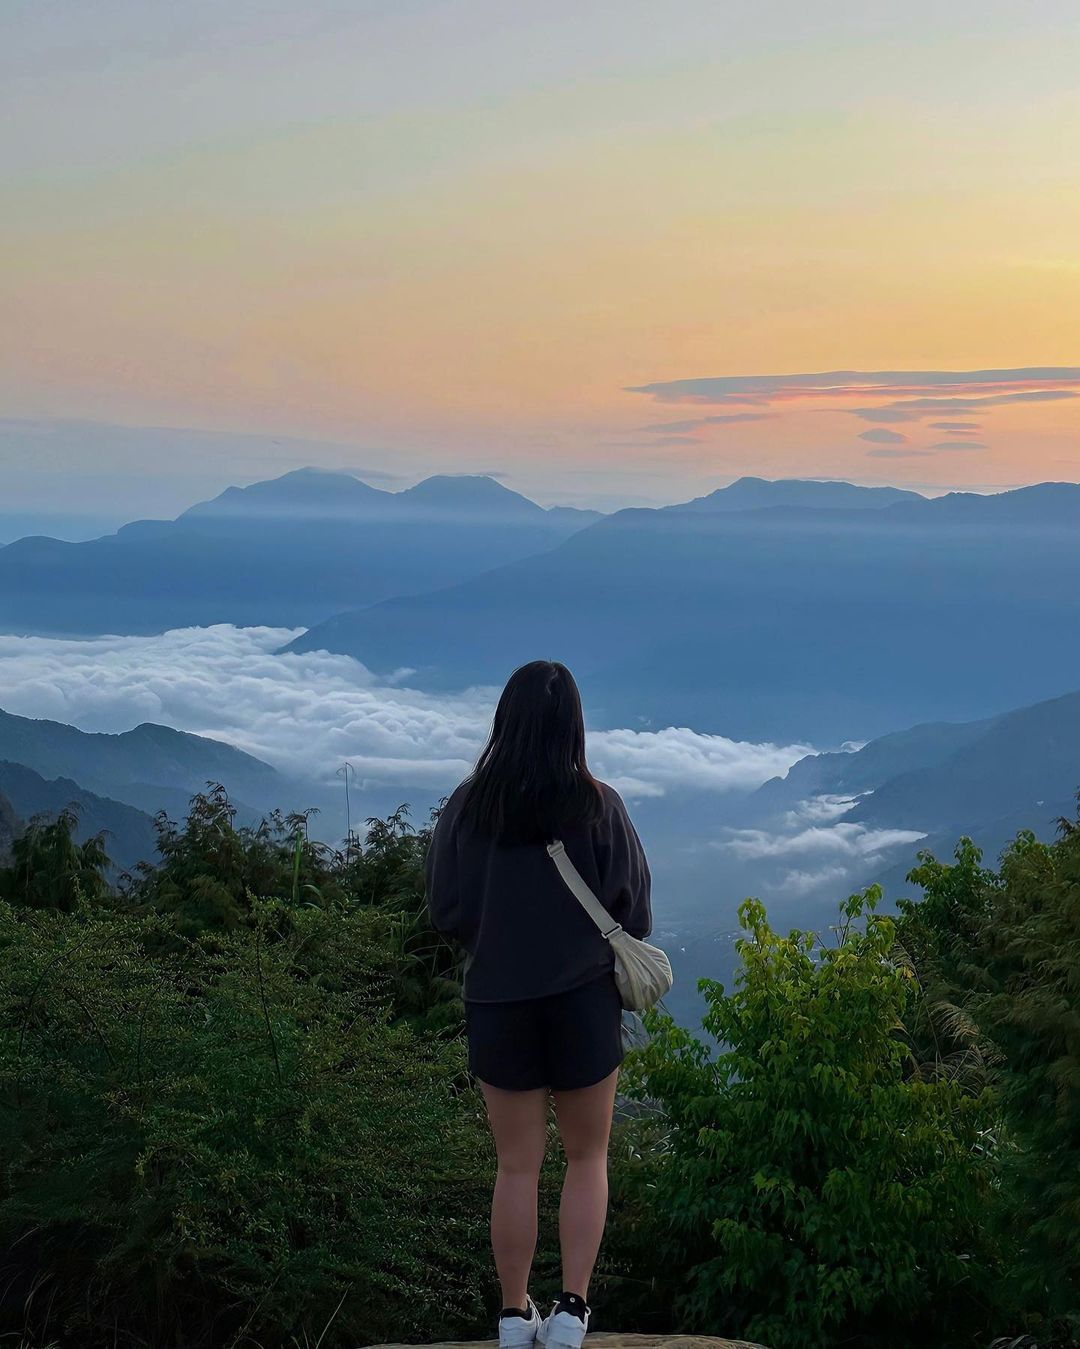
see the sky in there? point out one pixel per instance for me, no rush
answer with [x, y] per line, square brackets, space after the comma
[613, 252]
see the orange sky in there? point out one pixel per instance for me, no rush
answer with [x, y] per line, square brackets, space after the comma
[453, 236]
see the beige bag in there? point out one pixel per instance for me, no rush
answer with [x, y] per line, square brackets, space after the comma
[642, 972]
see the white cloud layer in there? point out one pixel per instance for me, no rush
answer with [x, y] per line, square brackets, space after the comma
[820, 810]
[813, 847]
[306, 713]
[799, 882]
[841, 840]
[648, 763]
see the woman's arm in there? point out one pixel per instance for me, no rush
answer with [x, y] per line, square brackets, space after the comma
[624, 872]
[441, 876]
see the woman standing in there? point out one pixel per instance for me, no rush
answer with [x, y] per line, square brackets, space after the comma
[542, 1013]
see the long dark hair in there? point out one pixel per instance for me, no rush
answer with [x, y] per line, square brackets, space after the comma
[531, 779]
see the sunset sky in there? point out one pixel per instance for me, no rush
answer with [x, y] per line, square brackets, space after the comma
[614, 252]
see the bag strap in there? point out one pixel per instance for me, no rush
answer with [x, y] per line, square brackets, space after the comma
[581, 892]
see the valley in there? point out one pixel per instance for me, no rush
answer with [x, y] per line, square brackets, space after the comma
[822, 661]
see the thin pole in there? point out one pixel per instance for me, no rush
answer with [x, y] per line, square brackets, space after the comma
[343, 772]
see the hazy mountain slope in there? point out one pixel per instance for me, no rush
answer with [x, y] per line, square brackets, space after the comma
[57, 524]
[283, 553]
[847, 773]
[985, 780]
[759, 493]
[947, 775]
[302, 494]
[1014, 767]
[150, 767]
[793, 844]
[783, 624]
[10, 824]
[130, 835]
[1044, 503]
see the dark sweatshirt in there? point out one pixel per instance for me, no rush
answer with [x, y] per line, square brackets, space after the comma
[524, 933]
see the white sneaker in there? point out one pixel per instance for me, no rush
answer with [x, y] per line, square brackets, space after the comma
[515, 1332]
[562, 1330]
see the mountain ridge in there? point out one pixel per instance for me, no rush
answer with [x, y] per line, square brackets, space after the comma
[282, 552]
[130, 834]
[317, 493]
[984, 779]
[792, 623]
[749, 492]
[131, 766]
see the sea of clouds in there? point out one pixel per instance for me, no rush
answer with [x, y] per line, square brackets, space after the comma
[308, 713]
[814, 847]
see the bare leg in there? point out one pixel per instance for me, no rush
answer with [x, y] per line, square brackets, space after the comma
[585, 1126]
[519, 1124]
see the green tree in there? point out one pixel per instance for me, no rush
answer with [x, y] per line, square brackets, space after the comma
[49, 870]
[229, 1140]
[808, 1190]
[210, 870]
[387, 872]
[1004, 949]
[940, 937]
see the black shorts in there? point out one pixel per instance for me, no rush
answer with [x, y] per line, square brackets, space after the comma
[564, 1041]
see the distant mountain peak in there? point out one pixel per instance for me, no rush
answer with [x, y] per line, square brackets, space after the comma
[1042, 503]
[311, 492]
[317, 493]
[752, 493]
[467, 491]
[453, 482]
[306, 472]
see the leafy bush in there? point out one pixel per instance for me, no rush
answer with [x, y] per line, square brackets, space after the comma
[49, 870]
[234, 1111]
[209, 872]
[1004, 948]
[229, 1141]
[803, 1188]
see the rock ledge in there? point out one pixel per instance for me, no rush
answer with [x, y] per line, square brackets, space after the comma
[609, 1341]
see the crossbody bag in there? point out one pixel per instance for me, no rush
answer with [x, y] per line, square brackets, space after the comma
[642, 972]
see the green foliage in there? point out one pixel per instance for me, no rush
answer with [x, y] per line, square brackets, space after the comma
[388, 874]
[234, 1108]
[808, 1190]
[234, 1105]
[945, 1039]
[209, 870]
[1005, 949]
[49, 870]
[229, 1141]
